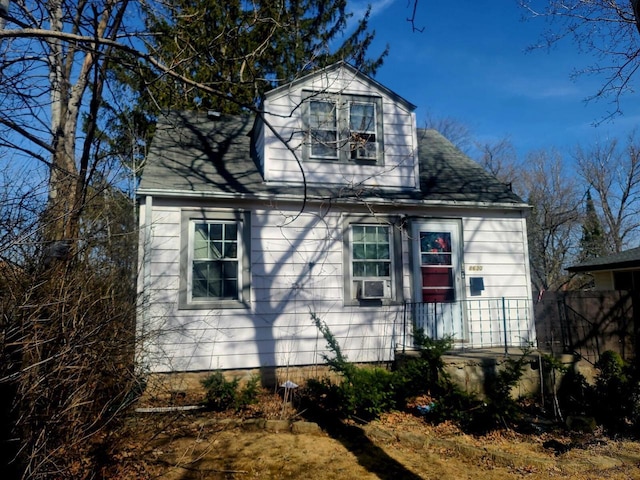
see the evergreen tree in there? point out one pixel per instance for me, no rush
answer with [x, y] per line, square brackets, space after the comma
[593, 242]
[240, 49]
[234, 51]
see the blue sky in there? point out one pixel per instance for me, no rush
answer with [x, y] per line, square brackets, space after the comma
[471, 63]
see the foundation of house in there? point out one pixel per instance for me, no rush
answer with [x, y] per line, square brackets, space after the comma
[470, 370]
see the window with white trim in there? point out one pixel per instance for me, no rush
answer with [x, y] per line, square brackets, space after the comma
[362, 131]
[344, 128]
[323, 129]
[371, 267]
[214, 259]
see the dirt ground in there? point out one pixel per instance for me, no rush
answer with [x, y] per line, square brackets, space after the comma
[200, 445]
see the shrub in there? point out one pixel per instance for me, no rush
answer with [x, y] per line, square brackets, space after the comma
[425, 374]
[364, 392]
[616, 393]
[367, 392]
[222, 394]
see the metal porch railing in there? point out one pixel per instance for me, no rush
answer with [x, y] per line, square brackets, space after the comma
[473, 323]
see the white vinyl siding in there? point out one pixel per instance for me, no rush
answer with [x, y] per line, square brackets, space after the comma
[298, 267]
[383, 157]
[495, 250]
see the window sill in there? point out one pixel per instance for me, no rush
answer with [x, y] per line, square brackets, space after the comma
[214, 305]
[383, 302]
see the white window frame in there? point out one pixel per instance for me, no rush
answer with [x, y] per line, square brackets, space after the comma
[359, 290]
[347, 149]
[237, 260]
[392, 284]
[355, 134]
[189, 218]
[314, 141]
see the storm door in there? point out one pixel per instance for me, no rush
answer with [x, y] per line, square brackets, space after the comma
[438, 305]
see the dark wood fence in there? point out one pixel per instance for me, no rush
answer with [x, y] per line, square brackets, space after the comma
[586, 323]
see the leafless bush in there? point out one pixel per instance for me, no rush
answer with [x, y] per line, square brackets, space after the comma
[67, 333]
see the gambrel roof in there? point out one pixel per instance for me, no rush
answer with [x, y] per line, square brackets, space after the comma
[197, 156]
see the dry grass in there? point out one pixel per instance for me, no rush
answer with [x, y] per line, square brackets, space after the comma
[184, 446]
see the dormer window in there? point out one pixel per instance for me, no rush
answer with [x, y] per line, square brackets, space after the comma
[343, 127]
[323, 129]
[362, 131]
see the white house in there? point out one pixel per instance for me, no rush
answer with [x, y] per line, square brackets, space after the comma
[331, 203]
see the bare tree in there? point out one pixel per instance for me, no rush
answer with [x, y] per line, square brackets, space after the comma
[67, 320]
[612, 171]
[500, 159]
[604, 29]
[555, 220]
[454, 130]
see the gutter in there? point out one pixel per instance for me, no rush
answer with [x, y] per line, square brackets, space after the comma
[349, 201]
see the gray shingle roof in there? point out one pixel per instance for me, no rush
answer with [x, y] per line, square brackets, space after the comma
[192, 154]
[627, 259]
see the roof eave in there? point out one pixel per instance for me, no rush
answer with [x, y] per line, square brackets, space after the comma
[166, 193]
[355, 71]
[604, 267]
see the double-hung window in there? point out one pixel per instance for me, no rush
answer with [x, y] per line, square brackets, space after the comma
[214, 263]
[362, 131]
[344, 127]
[323, 129]
[371, 266]
[214, 259]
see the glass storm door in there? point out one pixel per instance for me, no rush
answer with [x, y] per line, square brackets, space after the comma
[438, 279]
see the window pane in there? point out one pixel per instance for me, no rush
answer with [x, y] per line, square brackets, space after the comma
[230, 231]
[358, 269]
[230, 270]
[215, 250]
[358, 233]
[324, 143]
[322, 115]
[362, 128]
[215, 231]
[370, 235]
[323, 129]
[363, 145]
[384, 269]
[435, 242]
[362, 117]
[371, 252]
[206, 279]
[231, 250]
[382, 251]
[230, 289]
[201, 240]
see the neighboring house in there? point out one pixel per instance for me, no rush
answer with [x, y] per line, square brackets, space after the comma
[618, 271]
[335, 204]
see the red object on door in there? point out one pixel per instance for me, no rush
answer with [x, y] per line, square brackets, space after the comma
[437, 284]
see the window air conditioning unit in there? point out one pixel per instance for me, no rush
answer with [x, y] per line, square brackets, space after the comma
[372, 289]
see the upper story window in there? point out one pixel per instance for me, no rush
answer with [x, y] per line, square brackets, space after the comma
[344, 128]
[323, 129]
[362, 131]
